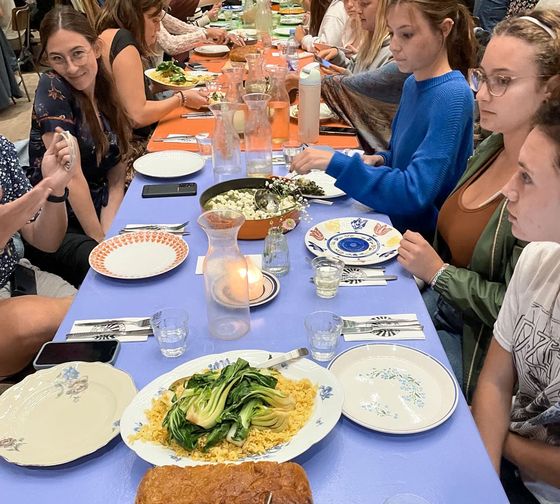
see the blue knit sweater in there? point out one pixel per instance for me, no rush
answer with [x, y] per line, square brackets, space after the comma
[432, 139]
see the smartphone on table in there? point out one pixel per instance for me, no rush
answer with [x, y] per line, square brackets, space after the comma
[164, 190]
[337, 130]
[197, 66]
[58, 352]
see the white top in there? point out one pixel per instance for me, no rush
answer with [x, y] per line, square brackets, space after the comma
[331, 30]
[6, 19]
[176, 36]
[528, 327]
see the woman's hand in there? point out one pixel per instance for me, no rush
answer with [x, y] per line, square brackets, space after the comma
[418, 257]
[328, 54]
[235, 39]
[373, 160]
[59, 161]
[335, 70]
[300, 33]
[216, 35]
[214, 11]
[311, 159]
[195, 99]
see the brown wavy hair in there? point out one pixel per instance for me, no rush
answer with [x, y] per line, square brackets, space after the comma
[128, 14]
[547, 120]
[461, 44]
[66, 18]
[316, 15]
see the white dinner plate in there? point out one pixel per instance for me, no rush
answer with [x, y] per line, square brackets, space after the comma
[141, 254]
[60, 414]
[244, 32]
[325, 182]
[212, 50]
[354, 240]
[291, 20]
[169, 164]
[395, 389]
[325, 113]
[328, 405]
[282, 31]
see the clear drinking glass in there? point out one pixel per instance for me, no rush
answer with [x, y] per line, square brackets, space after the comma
[290, 150]
[276, 255]
[258, 136]
[327, 275]
[171, 327]
[323, 332]
[204, 143]
[226, 147]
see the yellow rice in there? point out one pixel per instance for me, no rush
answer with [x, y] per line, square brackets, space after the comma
[259, 440]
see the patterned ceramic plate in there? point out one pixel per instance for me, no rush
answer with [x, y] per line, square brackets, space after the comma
[354, 240]
[270, 289]
[169, 164]
[395, 389]
[63, 413]
[328, 405]
[141, 254]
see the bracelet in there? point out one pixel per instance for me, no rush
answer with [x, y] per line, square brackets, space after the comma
[180, 93]
[59, 199]
[435, 278]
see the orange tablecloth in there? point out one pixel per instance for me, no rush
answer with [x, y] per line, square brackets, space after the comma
[173, 123]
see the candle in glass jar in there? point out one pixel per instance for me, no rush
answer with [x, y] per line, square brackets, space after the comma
[255, 280]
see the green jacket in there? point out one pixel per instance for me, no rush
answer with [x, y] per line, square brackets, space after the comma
[478, 291]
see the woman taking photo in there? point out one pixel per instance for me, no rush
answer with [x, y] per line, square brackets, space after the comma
[432, 133]
[128, 30]
[79, 96]
[474, 253]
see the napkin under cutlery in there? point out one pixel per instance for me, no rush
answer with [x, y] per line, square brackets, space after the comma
[176, 138]
[123, 329]
[355, 276]
[256, 258]
[384, 327]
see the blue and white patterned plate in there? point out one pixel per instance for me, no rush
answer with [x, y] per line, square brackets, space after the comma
[395, 389]
[354, 240]
[327, 410]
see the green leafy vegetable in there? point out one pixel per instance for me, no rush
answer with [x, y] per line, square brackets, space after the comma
[171, 71]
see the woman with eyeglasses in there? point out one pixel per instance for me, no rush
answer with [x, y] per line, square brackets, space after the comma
[128, 30]
[79, 96]
[474, 253]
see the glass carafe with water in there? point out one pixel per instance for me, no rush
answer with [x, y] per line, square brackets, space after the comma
[226, 151]
[234, 94]
[256, 79]
[258, 136]
[225, 275]
[279, 104]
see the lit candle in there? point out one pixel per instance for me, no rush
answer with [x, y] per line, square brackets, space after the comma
[255, 279]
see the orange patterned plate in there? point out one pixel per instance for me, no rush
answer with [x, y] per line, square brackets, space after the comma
[142, 254]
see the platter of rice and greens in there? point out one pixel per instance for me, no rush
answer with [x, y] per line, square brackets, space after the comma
[219, 408]
[172, 76]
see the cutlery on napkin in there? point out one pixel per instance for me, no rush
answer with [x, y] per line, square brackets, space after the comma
[123, 329]
[174, 138]
[382, 327]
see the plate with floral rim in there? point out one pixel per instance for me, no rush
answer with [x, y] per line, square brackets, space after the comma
[394, 388]
[60, 414]
[326, 412]
[141, 254]
[354, 240]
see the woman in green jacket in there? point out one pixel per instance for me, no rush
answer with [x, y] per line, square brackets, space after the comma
[474, 253]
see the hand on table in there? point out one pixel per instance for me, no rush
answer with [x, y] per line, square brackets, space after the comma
[418, 257]
[235, 39]
[196, 99]
[373, 160]
[216, 35]
[311, 159]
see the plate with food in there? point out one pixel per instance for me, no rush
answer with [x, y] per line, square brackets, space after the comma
[325, 113]
[44, 417]
[181, 418]
[291, 20]
[212, 50]
[317, 184]
[354, 240]
[295, 10]
[172, 76]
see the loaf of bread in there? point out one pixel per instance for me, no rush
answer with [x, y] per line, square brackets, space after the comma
[239, 53]
[246, 483]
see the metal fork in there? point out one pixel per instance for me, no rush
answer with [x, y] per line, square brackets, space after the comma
[172, 227]
[353, 324]
[145, 322]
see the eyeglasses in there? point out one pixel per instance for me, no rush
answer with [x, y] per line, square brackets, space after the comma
[497, 84]
[77, 57]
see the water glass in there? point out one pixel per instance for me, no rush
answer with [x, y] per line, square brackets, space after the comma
[290, 150]
[171, 327]
[228, 15]
[323, 332]
[204, 143]
[327, 274]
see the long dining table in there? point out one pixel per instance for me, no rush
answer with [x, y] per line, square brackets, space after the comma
[352, 464]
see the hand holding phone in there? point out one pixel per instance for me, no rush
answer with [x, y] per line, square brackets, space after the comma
[164, 190]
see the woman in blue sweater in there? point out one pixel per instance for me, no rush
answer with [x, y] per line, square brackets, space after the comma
[432, 134]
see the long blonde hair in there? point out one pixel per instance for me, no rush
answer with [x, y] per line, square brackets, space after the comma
[372, 42]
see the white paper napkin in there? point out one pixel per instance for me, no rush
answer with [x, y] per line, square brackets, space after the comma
[136, 333]
[388, 334]
[256, 258]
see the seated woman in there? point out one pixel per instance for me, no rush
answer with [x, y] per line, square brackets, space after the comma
[326, 24]
[524, 358]
[80, 97]
[128, 30]
[39, 214]
[474, 253]
[413, 177]
[200, 18]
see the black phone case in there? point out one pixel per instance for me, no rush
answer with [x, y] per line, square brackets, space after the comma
[23, 281]
[165, 190]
